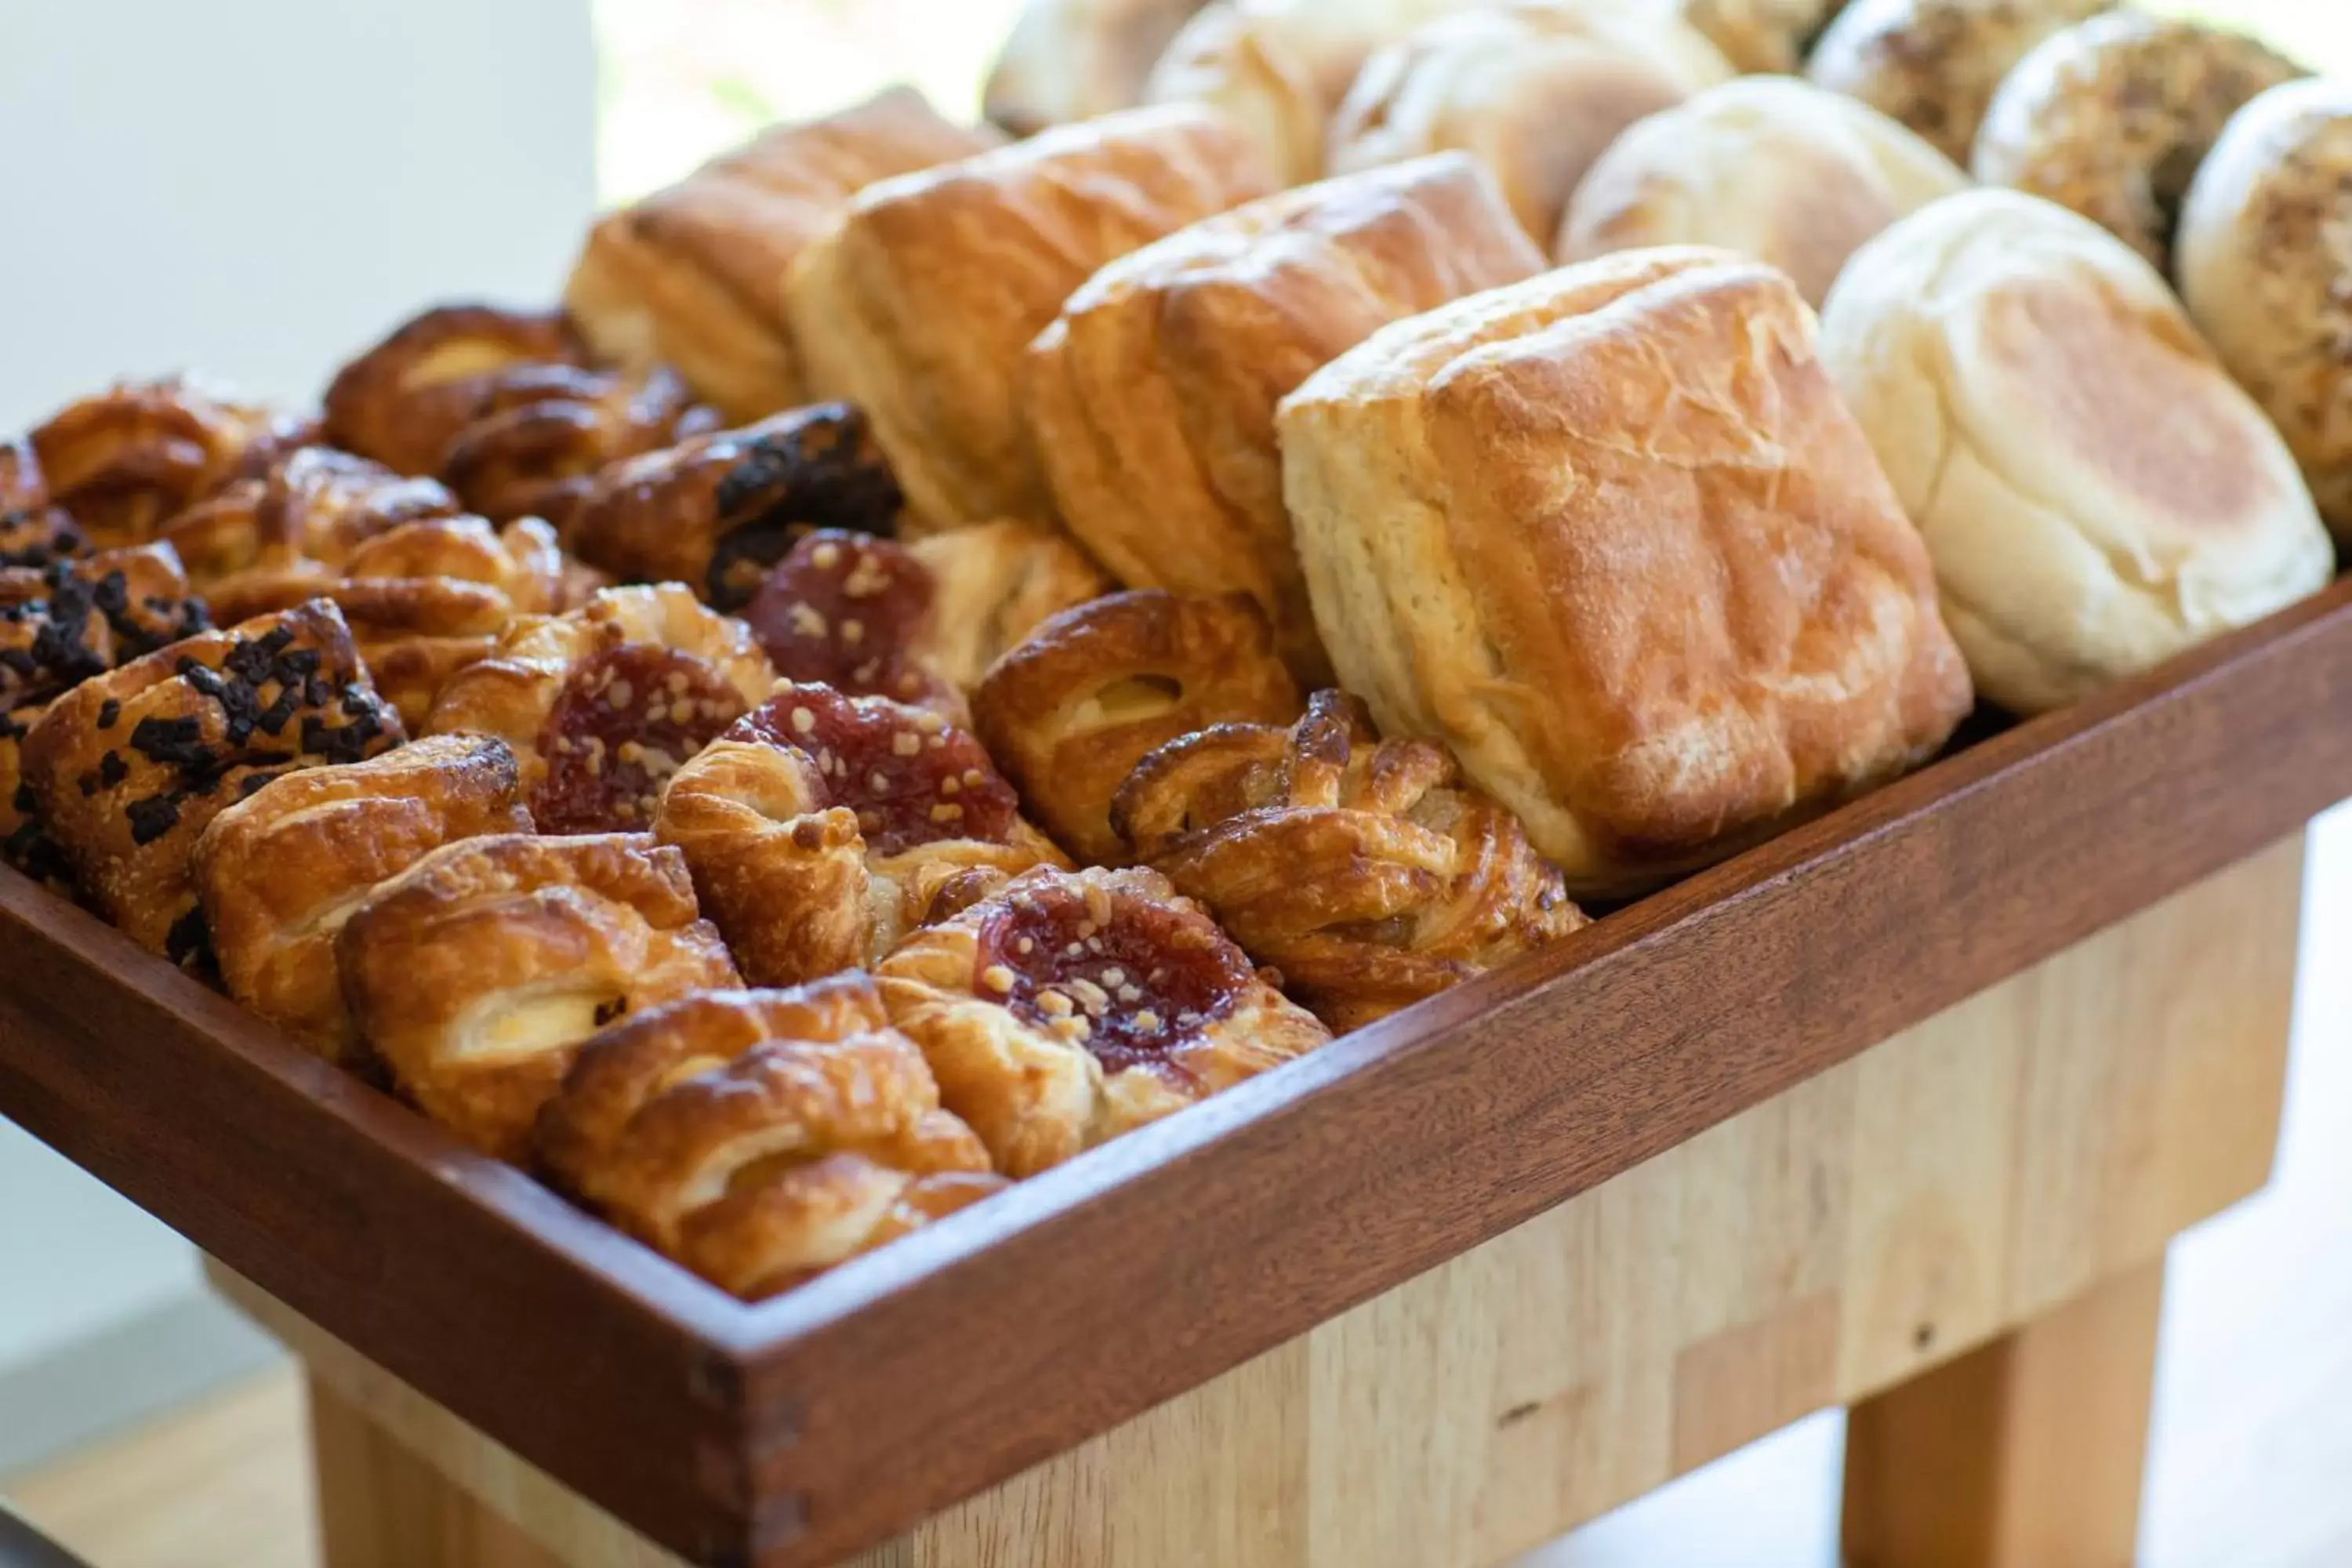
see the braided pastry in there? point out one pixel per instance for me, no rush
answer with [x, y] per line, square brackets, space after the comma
[1365, 870]
[127, 459]
[760, 1137]
[476, 975]
[1068, 1008]
[821, 828]
[404, 400]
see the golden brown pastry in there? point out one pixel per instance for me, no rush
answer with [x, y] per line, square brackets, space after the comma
[1073, 60]
[602, 704]
[1932, 65]
[541, 433]
[1761, 34]
[1150, 398]
[405, 399]
[22, 486]
[476, 975]
[693, 276]
[2112, 117]
[821, 827]
[917, 306]
[1068, 713]
[1070, 1008]
[282, 870]
[994, 584]
[1611, 536]
[760, 1137]
[314, 505]
[1364, 872]
[2096, 493]
[126, 768]
[2265, 268]
[38, 536]
[125, 460]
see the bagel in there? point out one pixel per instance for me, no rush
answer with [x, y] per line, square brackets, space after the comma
[1932, 65]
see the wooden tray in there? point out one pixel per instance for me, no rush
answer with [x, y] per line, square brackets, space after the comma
[820, 1423]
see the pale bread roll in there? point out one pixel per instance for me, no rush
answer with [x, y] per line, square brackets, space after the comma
[1769, 166]
[2097, 493]
[1073, 60]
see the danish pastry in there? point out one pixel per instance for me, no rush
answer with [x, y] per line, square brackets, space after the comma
[1073, 60]
[1932, 65]
[1069, 1007]
[280, 871]
[760, 1137]
[539, 433]
[821, 827]
[125, 460]
[403, 401]
[1068, 713]
[316, 505]
[1365, 871]
[38, 536]
[476, 975]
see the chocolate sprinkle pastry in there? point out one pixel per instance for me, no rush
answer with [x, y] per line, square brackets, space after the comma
[153, 817]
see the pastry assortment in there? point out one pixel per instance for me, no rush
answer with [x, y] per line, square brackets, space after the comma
[943, 650]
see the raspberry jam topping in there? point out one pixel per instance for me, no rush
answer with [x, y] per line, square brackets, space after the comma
[846, 609]
[627, 719]
[911, 776]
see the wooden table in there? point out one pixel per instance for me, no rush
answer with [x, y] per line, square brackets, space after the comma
[1959, 1234]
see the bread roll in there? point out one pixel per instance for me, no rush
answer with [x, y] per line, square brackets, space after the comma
[1611, 535]
[1152, 398]
[918, 307]
[1073, 60]
[1760, 35]
[1535, 89]
[2096, 493]
[1769, 166]
[1933, 65]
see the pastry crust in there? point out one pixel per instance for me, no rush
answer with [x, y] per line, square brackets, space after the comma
[316, 504]
[476, 975]
[123, 461]
[821, 828]
[1932, 65]
[1150, 398]
[602, 704]
[404, 400]
[994, 584]
[1073, 60]
[282, 870]
[540, 435]
[1611, 536]
[1069, 1007]
[1068, 713]
[1364, 872]
[1761, 34]
[760, 1137]
[917, 306]
[693, 276]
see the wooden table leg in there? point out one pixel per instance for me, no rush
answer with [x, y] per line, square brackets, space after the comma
[2025, 1453]
[380, 1506]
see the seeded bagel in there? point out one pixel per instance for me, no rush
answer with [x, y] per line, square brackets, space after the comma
[1932, 65]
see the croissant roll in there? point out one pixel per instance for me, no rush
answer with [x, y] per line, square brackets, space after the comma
[404, 400]
[1366, 871]
[127, 459]
[538, 435]
[762, 1137]
[476, 975]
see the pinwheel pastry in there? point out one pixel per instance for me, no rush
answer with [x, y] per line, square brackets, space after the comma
[281, 871]
[123, 461]
[474, 974]
[602, 704]
[1365, 870]
[1068, 713]
[404, 400]
[822, 827]
[128, 767]
[760, 1137]
[1068, 1008]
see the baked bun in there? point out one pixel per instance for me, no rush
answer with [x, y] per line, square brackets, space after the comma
[602, 704]
[917, 306]
[126, 768]
[2264, 268]
[1067, 1008]
[475, 975]
[281, 871]
[2112, 117]
[1534, 88]
[1610, 535]
[1364, 872]
[403, 401]
[1068, 713]
[760, 1137]
[693, 276]
[1760, 35]
[1150, 398]
[1932, 65]
[123, 461]
[1768, 166]
[1073, 60]
[2096, 492]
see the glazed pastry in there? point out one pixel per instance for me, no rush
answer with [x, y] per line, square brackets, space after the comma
[126, 768]
[282, 870]
[539, 433]
[760, 1137]
[1611, 536]
[1932, 65]
[1151, 399]
[917, 306]
[1364, 872]
[1534, 88]
[994, 584]
[693, 276]
[2267, 275]
[1067, 1008]
[717, 512]
[315, 505]
[476, 975]
[1768, 166]
[2112, 117]
[821, 828]
[122, 462]
[1761, 34]
[2096, 492]
[1073, 60]
[600, 705]
[1070, 713]
[403, 402]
